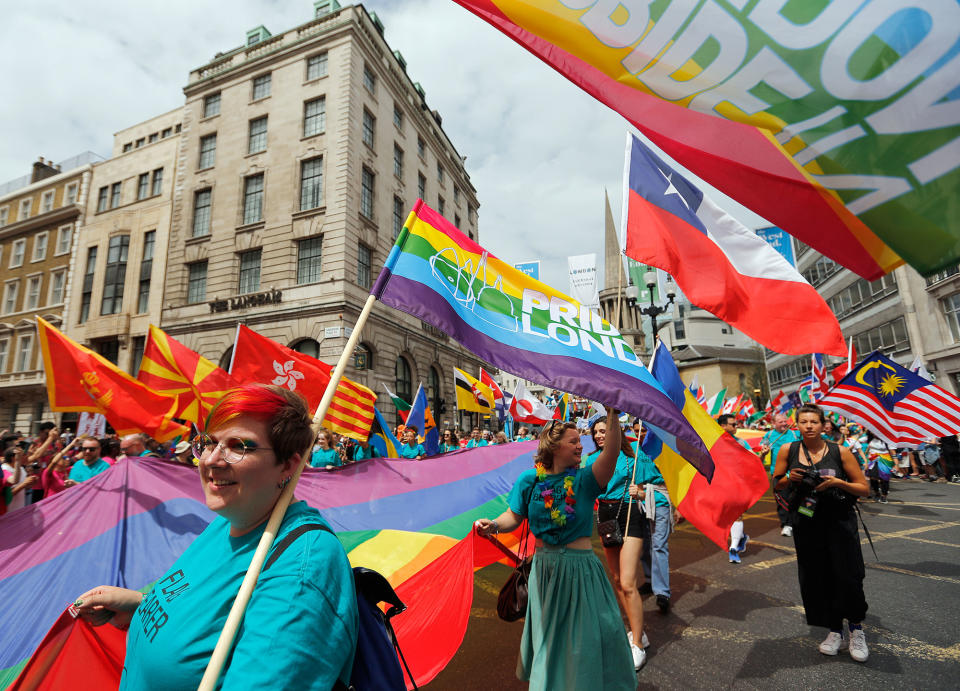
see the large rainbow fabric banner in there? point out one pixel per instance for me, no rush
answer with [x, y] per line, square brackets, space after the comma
[523, 326]
[411, 521]
[838, 122]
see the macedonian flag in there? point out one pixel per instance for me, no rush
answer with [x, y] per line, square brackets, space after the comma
[79, 380]
[171, 368]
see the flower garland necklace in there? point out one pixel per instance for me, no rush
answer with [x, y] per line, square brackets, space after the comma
[552, 495]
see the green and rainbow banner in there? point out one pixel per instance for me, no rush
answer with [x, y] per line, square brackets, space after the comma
[838, 122]
[523, 326]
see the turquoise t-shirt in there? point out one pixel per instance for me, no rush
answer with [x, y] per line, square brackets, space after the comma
[444, 448]
[775, 440]
[299, 630]
[362, 454]
[412, 451]
[647, 472]
[321, 458]
[81, 471]
[474, 443]
[744, 443]
[579, 524]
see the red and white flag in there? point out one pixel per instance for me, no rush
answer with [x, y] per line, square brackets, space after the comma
[842, 370]
[720, 264]
[527, 408]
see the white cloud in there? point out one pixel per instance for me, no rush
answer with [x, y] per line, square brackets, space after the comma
[539, 150]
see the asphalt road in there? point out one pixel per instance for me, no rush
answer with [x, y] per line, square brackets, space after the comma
[741, 626]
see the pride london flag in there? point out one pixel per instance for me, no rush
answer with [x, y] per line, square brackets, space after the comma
[523, 326]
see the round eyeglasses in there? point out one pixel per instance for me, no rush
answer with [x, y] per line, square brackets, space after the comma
[232, 449]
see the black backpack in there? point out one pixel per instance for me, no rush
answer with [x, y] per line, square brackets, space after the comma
[376, 666]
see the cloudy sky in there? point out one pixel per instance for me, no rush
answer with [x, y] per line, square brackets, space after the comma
[539, 151]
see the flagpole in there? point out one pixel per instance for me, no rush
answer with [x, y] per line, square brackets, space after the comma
[633, 479]
[225, 642]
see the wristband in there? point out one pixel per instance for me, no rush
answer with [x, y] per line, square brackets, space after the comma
[496, 525]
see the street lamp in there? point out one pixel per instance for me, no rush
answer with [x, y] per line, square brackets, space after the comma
[653, 311]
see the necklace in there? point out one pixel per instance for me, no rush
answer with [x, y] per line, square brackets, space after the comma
[817, 454]
[552, 495]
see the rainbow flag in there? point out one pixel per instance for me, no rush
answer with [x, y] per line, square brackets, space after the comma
[830, 121]
[523, 326]
[739, 479]
[127, 525]
[880, 463]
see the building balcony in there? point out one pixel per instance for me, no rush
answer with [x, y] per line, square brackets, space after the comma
[20, 379]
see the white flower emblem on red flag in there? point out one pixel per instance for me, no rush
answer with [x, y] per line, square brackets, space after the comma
[287, 375]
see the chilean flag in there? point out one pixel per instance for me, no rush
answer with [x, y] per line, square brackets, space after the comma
[720, 264]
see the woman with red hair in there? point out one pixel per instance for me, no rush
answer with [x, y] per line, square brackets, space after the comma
[249, 449]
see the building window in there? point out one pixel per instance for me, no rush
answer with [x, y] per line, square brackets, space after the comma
[366, 192]
[314, 116]
[115, 275]
[456, 220]
[166, 132]
[4, 215]
[311, 183]
[257, 141]
[143, 185]
[146, 268]
[822, 269]
[456, 195]
[890, 338]
[11, 291]
[201, 212]
[86, 293]
[253, 199]
[951, 310]
[307, 346]
[434, 388]
[440, 174]
[139, 345]
[157, 186]
[397, 161]
[64, 239]
[441, 204]
[860, 294]
[211, 107]
[421, 147]
[33, 293]
[115, 189]
[25, 206]
[70, 194]
[369, 79]
[309, 260]
[403, 381]
[152, 138]
[261, 86]
[363, 266]
[110, 349]
[397, 116]
[46, 201]
[19, 250]
[316, 66]
[792, 371]
[127, 147]
[102, 199]
[249, 272]
[939, 276]
[4, 353]
[208, 151]
[679, 326]
[24, 354]
[57, 280]
[397, 216]
[226, 360]
[369, 128]
[421, 185]
[362, 357]
[196, 282]
[138, 143]
[40, 246]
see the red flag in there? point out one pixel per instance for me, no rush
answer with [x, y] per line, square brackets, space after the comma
[840, 371]
[256, 358]
[79, 379]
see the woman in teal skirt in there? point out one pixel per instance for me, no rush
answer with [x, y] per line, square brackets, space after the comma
[573, 636]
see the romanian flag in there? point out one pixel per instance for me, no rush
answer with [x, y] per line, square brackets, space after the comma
[472, 395]
[739, 479]
[79, 380]
[173, 369]
[834, 123]
[256, 358]
[412, 522]
[523, 326]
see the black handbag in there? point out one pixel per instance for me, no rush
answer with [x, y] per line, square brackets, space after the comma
[512, 600]
[609, 530]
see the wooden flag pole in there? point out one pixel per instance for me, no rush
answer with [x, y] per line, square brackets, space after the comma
[229, 632]
[633, 480]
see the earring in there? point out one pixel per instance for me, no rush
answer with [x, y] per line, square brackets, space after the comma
[283, 483]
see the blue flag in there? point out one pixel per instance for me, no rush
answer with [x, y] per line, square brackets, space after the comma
[421, 418]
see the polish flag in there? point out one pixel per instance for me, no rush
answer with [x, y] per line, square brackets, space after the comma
[720, 264]
[527, 408]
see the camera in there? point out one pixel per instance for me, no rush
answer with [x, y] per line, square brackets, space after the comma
[809, 479]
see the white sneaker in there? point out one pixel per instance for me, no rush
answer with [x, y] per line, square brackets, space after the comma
[787, 531]
[644, 641]
[858, 646]
[832, 643]
[639, 657]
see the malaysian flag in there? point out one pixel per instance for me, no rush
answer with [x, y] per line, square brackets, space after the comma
[818, 377]
[900, 407]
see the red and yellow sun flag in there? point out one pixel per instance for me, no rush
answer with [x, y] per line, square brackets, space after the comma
[80, 380]
[171, 368]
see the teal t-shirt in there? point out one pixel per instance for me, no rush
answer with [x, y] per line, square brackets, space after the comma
[81, 471]
[444, 448]
[579, 524]
[474, 443]
[775, 440]
[299, 630]
[412, 451]
[321, 458]
[362, 454]
[744, 443]
[647, 472]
